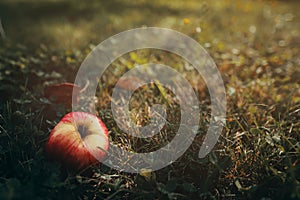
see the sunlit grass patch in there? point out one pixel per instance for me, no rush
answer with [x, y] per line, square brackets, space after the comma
[255, 45]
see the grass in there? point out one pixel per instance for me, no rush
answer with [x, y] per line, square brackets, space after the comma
[255, 45]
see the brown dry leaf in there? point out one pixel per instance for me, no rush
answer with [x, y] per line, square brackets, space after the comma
[62, 93]
[129, 83]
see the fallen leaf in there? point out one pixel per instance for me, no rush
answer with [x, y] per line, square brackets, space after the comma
[129, 83]
[62, 93]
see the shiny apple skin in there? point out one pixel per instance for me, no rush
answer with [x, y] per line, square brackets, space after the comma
[75, 150]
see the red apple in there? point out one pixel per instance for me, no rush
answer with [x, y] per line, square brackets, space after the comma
[79, 140]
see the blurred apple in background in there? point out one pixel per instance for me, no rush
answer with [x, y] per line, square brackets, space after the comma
[79, 140]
